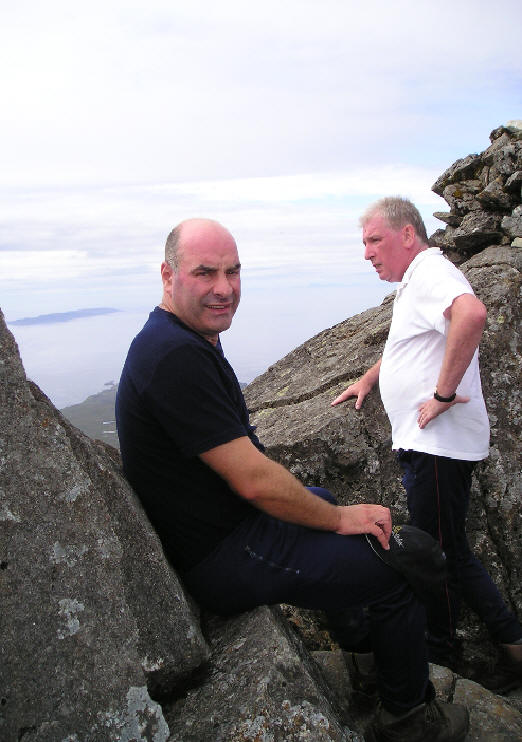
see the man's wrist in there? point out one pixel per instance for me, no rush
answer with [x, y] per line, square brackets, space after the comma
[440, 398]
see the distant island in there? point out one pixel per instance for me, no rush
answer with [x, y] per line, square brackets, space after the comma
[47, 319]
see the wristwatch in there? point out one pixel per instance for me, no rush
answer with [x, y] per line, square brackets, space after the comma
[437, 396]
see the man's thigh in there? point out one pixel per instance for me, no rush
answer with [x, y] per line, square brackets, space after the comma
[437, 490]
[268, 561]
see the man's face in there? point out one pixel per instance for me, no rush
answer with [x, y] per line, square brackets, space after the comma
[205, 289]
[386, 248]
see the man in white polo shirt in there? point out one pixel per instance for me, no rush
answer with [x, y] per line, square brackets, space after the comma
[430, 387]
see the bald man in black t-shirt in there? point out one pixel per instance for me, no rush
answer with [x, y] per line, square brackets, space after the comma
[240, 528]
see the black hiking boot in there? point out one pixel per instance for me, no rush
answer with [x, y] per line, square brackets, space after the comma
[435, 721]
[506, 673]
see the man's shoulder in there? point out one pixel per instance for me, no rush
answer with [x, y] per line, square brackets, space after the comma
[165, 342]
[165, 351]
[439, 262]
[435, 269]
[163, 332]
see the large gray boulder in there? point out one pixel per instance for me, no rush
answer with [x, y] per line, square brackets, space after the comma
[262, 685]
[348, 452]
[496, 510]
[94, 622]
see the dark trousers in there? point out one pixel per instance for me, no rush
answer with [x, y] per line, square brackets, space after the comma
[267, 561]
[438, 491]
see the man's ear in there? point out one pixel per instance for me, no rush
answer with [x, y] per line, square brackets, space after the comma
[166, 276]
[408, 236]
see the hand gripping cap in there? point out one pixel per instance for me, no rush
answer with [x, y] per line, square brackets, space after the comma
[417, 556]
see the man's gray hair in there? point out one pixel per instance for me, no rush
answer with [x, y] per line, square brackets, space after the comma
[398, 212]
[172, 247]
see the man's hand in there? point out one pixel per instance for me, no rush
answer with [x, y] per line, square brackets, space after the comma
[361, 388]
[431, 409]
[374, 519]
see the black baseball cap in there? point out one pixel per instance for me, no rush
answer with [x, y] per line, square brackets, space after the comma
[417, 556]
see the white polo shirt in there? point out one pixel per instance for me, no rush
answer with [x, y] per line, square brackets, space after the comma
[412, 360]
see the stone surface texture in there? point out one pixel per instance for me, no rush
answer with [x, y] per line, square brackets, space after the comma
[483, 193]
[100, 643]
[264, 685]
[94, 622]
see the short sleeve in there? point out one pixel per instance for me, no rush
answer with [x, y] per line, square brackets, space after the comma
[437, 285]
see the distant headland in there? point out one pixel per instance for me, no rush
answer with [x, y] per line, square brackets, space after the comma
[47, 319]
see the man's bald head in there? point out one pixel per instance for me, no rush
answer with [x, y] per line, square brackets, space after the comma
[175, 239]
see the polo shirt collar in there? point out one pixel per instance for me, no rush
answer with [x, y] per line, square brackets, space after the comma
[429, 252]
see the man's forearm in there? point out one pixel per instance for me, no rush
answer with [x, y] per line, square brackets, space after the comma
[372, 374]
[283, 497]
[277, 492]
[269, 486]
[273, 489]
[467, 319]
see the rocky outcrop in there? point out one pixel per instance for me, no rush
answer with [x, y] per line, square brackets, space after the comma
[265, 685]
[100, 642]
[89, 603]
[483, 192]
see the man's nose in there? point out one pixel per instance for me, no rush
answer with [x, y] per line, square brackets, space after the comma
[368, 252]
[222, 286]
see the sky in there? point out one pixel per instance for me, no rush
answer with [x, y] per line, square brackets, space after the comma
[283, 120]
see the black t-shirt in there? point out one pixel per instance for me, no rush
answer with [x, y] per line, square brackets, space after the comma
[178, 397]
